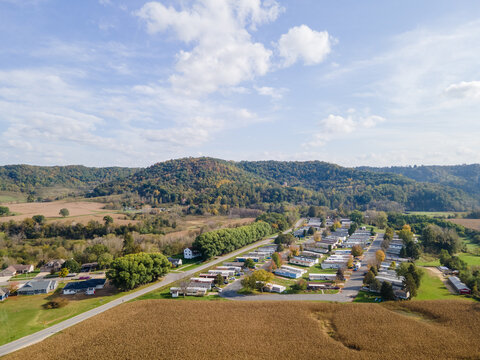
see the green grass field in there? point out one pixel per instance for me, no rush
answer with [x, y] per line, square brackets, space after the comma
[471, 260]
[24, 315]
[432, 288]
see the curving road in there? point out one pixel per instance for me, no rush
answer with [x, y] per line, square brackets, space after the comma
[167, 280]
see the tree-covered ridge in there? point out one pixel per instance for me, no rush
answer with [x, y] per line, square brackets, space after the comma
[26, 178]
[211, 181]
[464, 177]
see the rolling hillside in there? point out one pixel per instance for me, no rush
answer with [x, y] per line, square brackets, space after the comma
[215, 182]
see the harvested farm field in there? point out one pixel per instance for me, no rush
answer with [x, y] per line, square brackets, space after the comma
[80, 211]
[468, 223]
[163, 329]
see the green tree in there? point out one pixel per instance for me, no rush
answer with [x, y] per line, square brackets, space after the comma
[369, 277]
[219, 279]
[39, 219]
[257, 280]
[64, 212]
[357, 217]
[285, 239]
[410, 285]
[375, 285]
[311, 230]
[340, 275]
[4, 210]
[108, 220]
[132, 270]
[277, 259]
[104, 260]
[300, 285]
[71, 265]
[249, 264]
[386, 291]
[129, 246]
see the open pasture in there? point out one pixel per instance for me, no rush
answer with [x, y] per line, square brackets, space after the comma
[164, 329]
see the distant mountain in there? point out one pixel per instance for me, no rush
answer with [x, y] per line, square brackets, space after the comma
[464, 177]
[26, 178]
[211, 182]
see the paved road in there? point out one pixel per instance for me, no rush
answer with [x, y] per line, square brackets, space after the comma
[169, 279]
[347, 294]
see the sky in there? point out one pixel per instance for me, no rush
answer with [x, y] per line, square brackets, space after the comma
[132, 83]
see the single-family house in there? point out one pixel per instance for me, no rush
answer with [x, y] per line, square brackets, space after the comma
[34, 287]
[87, 286]
[175, 262]
[53, 265]
[87, 267]
[16, 269]
[190, 253]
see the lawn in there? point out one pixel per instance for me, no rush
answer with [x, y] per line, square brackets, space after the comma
[432, 288]
[24, 315]
[366, 297]
[30, 275]
[471, 260]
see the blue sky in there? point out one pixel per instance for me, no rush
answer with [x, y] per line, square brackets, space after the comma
[131, 83]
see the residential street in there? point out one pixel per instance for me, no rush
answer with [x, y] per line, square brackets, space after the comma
[348, 293]
[169, 279]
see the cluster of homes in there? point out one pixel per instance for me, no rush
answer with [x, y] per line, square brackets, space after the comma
[260, 254]
[203, 283]
[45, 286]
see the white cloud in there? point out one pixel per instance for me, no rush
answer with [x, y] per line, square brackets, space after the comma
[274, 93]
[464, 90]
[305, 44]
[337, 126]
[223, 54]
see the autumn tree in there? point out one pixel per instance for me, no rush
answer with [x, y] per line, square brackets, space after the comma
[340, 275]
[357, 250]
[63, 273]
[380, 256]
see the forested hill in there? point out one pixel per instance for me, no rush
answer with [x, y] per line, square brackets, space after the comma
[211, 181]
[465, 177]
[28, 178]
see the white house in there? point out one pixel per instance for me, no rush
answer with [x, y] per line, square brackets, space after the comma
[190, 253]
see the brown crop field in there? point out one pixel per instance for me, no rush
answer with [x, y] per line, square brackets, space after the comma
[163, 329]
[468, 223]
[80, 211]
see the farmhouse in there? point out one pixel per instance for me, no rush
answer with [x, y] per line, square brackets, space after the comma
[190, 253]
[303, 261]
[16, 269]
[88, 286]
[458, 285]
[37, 287]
